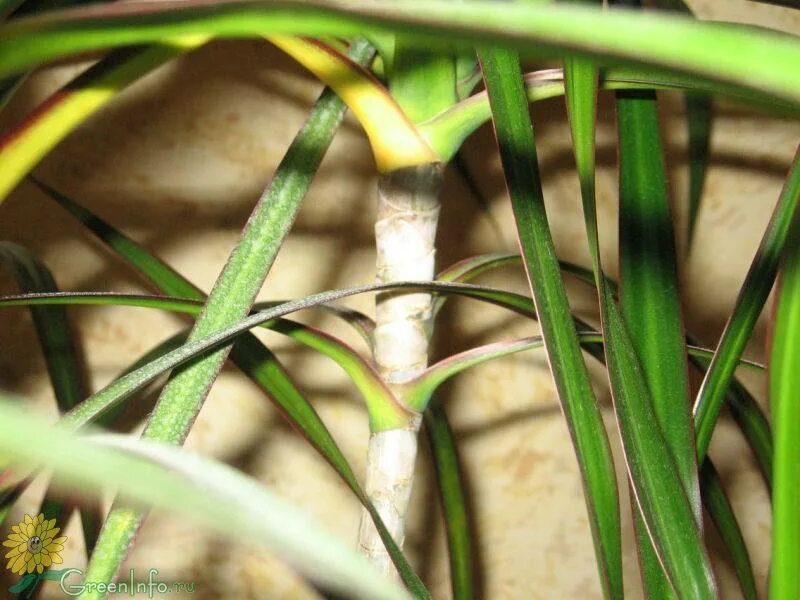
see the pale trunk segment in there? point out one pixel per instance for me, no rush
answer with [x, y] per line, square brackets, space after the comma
[405, 234]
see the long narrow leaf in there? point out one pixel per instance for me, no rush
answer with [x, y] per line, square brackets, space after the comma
[649, 301]
[232, 295]
[503, 79]
[60, 354]
[25, 145]
[743, 406]
[747, 309]
[648, 293]
[209, 493]
[333, 348]
[454, 503]
[448, 130]
[783, 369]
[458, 364]
[721, 513]
[668, 515]
[52, 327]
[748, 57]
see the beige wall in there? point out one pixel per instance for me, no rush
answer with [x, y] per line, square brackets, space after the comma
[177, 162]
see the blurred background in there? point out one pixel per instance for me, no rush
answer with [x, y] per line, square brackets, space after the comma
[177, 162]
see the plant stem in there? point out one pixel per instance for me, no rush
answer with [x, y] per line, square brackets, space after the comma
[405, 232]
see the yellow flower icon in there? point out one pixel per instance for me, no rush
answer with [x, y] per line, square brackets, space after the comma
[34, 545]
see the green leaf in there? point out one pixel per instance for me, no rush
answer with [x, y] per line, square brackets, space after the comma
[468, 73]
[376, 394]
[206, 492]
[713, 494]
[126, 520]
[748, 416]
[260, 365]
[162, 276]
[29, 141]
[503, 79]
[746, 311]
[234, 294]
[248, 353]
[743, 406]
[333, 347]
[785, 409]
[61, 356]
[649, 300]
[423, 83]
[454, 503]
[750, 58]
[721, 513]
[698, 121]
[668, 514]
[754, 426]
[448, 130]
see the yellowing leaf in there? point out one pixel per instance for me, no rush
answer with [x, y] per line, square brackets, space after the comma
[396, 142]
[27, 144]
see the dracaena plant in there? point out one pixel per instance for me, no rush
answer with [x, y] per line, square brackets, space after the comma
[421, 77]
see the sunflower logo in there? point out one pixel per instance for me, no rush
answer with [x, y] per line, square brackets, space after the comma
[34, 545]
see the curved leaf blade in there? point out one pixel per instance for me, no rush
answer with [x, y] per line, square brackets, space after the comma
[62, 359]
[25, 145]
[52, 326]
[747, 57]
[395, 142]
[209, 493]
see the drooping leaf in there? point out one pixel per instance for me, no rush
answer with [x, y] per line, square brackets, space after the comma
[503, 80]
[448, 130]
[206, 492]
[61, 357]
[305, 334]
[25, 145]
[750, 58]
[52, 326]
